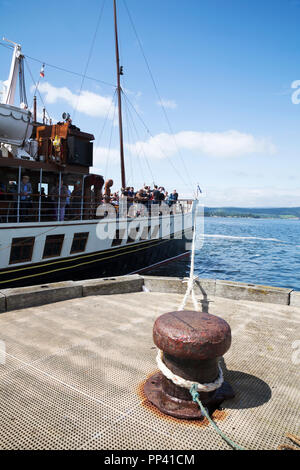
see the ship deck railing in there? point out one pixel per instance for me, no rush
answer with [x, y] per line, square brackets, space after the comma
[15, 210]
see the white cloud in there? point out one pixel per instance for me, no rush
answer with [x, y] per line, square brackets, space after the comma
[105, 161]
[212, 144]
[87, 102]
[157, 147]
[251, 197]
[226, 144]
[101, 154]
[170, 104]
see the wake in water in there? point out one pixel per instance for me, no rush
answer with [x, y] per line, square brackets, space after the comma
[231, 237]
[255, 251]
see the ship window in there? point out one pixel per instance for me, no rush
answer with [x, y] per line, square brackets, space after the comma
[79, 242]
[21, 250]
[53, 246]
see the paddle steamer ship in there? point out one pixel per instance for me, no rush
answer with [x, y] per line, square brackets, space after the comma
[37, 244]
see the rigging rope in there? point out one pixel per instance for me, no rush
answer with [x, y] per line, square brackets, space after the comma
[138, 137]
[8, 46]
[130, 180]
[151, 135]
[130, 141]
[70, 71]
[110, 139]
[157, 92]
[106, 118]
[36, 84]
[130, 127]
[89, 57]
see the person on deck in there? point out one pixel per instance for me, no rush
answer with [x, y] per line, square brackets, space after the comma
[25, 197]
[75, 201]
[131, 192]
[161, 194]
[142, 197]
[107, 190]
[12, 190]
[156, 195]
[173, 198]
[60, 197]
[2, 192]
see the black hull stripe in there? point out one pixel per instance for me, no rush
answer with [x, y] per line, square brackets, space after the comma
[84, 263]
[75, 258]
[160, 263]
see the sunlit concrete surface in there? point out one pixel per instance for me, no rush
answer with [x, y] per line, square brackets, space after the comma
[73, 372]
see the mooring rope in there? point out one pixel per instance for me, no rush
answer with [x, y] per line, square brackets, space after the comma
[207, 387]
[179, 381]
[195, 387]
[192, 277]
[196, 399]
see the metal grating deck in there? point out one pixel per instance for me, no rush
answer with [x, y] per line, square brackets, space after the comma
[73, 374]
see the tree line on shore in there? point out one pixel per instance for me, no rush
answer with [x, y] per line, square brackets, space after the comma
[255, 213]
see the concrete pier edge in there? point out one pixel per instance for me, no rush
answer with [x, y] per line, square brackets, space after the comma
[33, 296]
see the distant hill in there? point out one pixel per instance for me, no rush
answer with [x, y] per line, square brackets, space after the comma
[256, 213]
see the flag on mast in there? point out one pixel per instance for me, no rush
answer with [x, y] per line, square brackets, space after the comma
[42, 72]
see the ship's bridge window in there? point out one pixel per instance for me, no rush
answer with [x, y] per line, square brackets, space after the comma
[53, 246]
[21, 250]
[79, 242]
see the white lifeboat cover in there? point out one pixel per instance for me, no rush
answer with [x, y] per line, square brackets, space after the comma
[15, 124]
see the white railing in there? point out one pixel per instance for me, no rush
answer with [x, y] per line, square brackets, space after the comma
[14, 208]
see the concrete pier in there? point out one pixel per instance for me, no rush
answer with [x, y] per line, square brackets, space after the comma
[71, 372]
[23, 297]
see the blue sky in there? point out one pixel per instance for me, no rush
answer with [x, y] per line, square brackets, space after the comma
[224, 69]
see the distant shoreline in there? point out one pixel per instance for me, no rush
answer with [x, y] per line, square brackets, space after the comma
[250, 217]
[284, 213]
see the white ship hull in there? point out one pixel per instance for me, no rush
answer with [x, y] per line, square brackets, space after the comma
[155, 240]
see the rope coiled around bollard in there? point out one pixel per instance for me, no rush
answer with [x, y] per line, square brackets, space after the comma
[180, 382]
[194, 389]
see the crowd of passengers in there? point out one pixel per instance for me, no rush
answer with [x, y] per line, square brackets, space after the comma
[61, 203]
[146, 195]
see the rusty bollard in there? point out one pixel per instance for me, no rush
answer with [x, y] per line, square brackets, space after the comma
[192, 344]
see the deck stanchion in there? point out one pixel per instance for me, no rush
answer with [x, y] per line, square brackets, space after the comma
[59, 193]
[40, 195]
[19, 191]
[82, 196]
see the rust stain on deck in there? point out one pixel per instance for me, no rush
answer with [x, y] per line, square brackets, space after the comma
[218, 415]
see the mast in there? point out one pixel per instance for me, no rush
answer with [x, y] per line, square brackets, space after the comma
[119, 91]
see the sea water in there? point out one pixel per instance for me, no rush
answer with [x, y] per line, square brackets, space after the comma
[259, 251]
